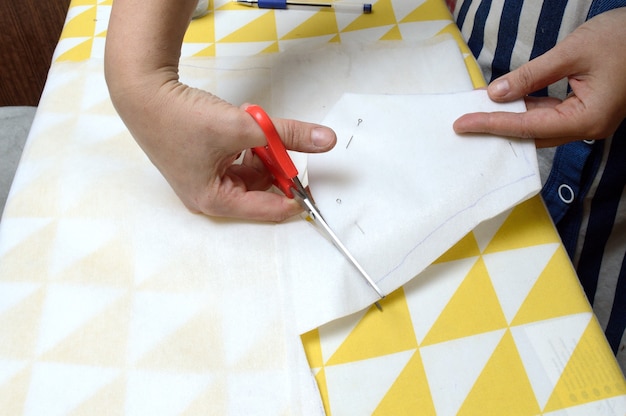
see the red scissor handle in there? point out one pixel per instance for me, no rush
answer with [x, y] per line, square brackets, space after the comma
[274, 155]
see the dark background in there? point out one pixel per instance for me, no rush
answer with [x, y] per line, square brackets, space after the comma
[29, 32]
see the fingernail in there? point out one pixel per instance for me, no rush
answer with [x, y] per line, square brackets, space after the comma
[321, 137]
[499, 87]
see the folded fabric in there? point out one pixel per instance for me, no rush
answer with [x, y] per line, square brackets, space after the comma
[399, 189]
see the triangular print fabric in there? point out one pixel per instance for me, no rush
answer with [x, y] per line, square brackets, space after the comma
[483, 347]
[116, 300]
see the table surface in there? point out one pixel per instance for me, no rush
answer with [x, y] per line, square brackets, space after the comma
[497, 325]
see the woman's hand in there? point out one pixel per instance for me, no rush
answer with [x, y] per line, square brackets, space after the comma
[593, 59]
[190, 135]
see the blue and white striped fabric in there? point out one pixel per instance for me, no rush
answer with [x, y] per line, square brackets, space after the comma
[585, 190]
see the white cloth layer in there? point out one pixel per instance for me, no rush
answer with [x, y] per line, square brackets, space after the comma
[399, 189]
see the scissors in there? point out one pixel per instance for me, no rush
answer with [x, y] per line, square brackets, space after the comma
[275, 157]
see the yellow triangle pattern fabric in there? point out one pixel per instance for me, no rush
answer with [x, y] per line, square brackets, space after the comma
[554, 283]
[382, 16]
[184, 348]
[111, 397]
[311, 343]
[501, 393]
[428, 11]
[531, 225]
[589, 354]
[82, 25]
[75, 3]
[201, 31]
[320, 24]
[273, 48]
[393, 34]
[260, 29]
[466, 247]
[102, 341]
[77, 53]
[206, 52]
[478, 315]
[33, 271]
[14, 391]
[453, 30]
[365, 339]
[410, 394]
[20, 344]
[322, 385]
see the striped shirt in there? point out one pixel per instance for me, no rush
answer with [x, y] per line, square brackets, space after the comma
[584, 182]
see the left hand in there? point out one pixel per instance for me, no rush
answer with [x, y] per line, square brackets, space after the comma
[593, 59]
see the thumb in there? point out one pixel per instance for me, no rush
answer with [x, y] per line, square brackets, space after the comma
[305, 137]
[538, 73]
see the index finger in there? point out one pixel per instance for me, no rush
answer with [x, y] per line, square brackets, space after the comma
[536, 123]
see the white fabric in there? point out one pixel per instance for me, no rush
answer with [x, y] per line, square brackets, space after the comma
[399, 189]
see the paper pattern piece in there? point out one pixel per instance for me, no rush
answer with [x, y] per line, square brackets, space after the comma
[399, 189]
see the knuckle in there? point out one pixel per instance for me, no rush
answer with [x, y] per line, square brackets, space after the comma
[525, 79]
[526, 129]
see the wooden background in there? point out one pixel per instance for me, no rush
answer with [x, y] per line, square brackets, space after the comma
[29, 32]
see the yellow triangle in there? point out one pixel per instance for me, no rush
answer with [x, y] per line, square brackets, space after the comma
[78, 53]
[322, 385]
[466, 247]
[261, 29]
[13, 393]
[212, 401]
[478, 79]
[555, 293]
[186, 348]
[206, 52]
[111, 397]
[428, 11]
[106, 3]
[393, 34]
[110, 265]
[168, 277]
[379, 333]
[335, 39]
[498, 392]
[475, 304]
[313, 348]
[102, 341]
[410, 393]
[44, 186]
[82, 25]
[83, 3]
[453, 30]
[273, 48]
[592, 357]
[37, 248]
[382, 15]
[528, 224]
[201, 30]
[20, 327]
[476, 75]
[320, 24]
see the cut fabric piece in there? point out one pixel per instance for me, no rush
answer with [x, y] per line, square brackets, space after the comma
[399, 189]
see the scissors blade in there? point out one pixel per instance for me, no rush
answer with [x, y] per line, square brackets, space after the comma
[317, 216]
